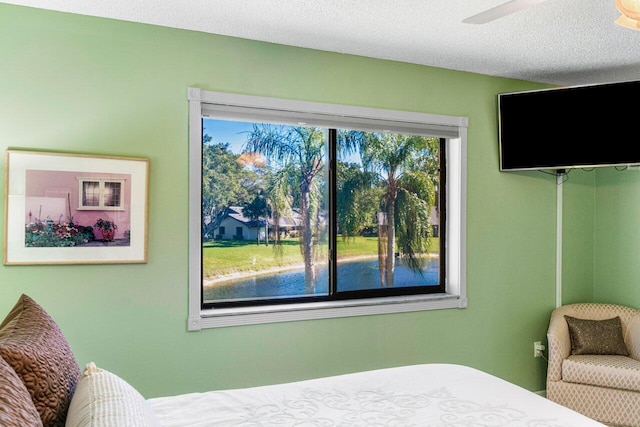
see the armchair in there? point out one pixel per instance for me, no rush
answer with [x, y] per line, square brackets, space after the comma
[603, 386]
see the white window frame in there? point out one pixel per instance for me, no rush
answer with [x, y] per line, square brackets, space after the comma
[101, 206]
[247, 107]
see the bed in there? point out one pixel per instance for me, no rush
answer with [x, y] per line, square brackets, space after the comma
[41, 384]
[415, 395]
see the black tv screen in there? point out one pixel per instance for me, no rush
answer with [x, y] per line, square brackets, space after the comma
[571, 127]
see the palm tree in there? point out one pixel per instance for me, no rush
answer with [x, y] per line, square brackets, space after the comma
[404, 165]
[279, 199]
[301, 150]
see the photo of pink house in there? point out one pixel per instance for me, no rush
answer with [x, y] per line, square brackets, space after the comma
[65, 208]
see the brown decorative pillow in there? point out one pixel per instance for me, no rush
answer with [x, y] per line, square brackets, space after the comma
[16, 407]
[596, 336]
[33, 345]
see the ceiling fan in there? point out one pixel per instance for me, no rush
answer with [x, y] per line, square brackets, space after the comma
[504, 9]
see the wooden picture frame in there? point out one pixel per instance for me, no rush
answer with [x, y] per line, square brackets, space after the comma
[65, 208]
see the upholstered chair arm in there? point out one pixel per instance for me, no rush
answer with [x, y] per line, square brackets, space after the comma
[632, 337]
[558, 344]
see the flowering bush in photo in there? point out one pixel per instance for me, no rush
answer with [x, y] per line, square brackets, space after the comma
[56, 234]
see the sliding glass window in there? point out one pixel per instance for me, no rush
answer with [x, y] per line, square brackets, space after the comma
[296, 212]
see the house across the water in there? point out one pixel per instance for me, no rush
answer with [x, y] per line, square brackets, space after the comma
[234, 225]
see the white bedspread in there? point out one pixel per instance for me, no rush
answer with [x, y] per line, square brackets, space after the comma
[418, 395]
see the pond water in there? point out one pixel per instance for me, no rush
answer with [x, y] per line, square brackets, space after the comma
[352, 276]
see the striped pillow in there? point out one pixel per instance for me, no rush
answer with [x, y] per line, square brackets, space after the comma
[102, 399]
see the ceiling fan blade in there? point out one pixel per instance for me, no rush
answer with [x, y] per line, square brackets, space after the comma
[499, 11]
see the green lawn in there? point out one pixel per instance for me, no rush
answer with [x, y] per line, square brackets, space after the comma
[224, 257]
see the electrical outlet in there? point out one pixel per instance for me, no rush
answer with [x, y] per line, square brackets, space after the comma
[538, 348]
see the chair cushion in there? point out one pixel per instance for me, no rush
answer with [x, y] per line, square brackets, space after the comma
[596, 336]
[33, 345]
[16, 407]
[618, 372]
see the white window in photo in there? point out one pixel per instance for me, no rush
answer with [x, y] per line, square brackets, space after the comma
[101, 194]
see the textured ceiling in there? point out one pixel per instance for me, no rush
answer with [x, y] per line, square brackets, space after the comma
[561, 42]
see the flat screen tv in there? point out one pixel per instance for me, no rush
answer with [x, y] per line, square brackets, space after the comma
[570, 127]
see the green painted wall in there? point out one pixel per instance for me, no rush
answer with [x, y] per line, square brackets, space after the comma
[617, 237]
[83, 84]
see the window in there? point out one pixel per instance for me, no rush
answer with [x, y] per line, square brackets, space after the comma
[101, 194]
[336, 210]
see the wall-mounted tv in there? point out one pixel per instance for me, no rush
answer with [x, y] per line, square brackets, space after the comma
[570, 127]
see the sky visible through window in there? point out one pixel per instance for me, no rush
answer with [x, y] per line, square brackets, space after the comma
[233, 132]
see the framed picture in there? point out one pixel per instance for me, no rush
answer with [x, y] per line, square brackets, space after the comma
[64, 208]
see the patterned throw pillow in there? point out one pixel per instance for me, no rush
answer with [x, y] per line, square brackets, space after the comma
[16, 407]
[596, 336]
[33, 345]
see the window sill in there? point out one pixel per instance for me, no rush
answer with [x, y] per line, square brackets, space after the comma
[216, 318]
